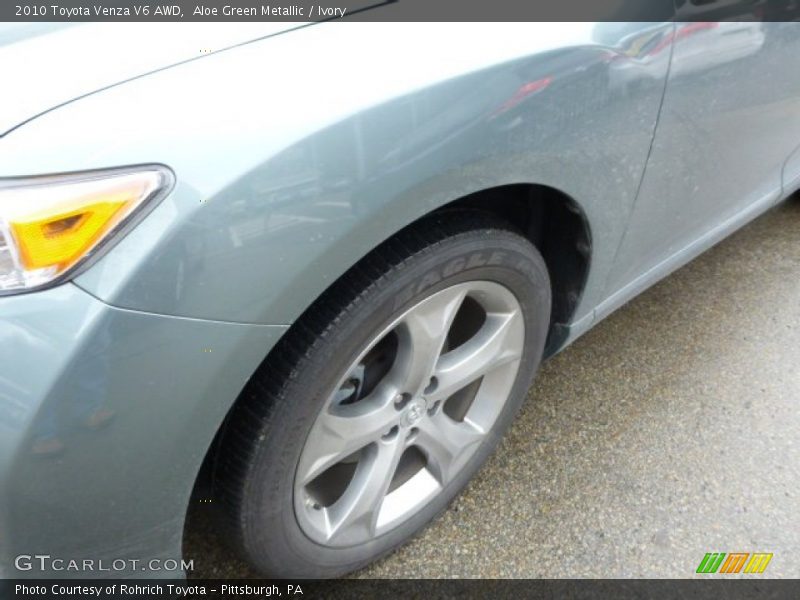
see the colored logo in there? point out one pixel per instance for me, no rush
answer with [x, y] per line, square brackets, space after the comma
[729, 564]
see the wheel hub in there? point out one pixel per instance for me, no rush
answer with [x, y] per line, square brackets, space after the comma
[414, 413]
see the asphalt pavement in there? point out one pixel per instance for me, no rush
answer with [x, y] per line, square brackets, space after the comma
[668, 431]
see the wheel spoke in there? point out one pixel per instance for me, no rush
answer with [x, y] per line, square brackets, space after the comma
[448, 444]
[357, 510]
[426, 328]
[343, 430]
[487, 350]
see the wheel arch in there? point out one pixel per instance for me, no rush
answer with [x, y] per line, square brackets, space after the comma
[557, 225]
[549, 218]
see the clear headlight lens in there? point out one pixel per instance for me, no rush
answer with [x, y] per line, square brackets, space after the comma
[50, 226]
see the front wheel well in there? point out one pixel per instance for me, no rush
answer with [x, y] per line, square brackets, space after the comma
[550, 219]
[559, 229]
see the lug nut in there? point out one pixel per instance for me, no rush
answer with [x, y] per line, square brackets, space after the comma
[401, 401]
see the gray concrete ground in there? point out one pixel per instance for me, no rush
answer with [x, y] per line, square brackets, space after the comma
[670, 430]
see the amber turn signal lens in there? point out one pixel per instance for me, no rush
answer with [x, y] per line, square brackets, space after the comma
[49, 227]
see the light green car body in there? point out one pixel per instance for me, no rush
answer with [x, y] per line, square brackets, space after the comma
[296, 151]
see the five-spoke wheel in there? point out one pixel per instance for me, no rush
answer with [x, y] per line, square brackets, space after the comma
[409, 413]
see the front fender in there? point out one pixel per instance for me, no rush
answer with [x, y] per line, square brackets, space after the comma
[296, 155]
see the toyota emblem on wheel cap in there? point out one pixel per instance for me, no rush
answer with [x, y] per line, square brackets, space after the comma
[416, 410]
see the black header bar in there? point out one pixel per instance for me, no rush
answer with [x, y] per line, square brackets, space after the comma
[396, 10]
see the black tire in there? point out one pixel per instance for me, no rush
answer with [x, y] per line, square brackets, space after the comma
[267, 428]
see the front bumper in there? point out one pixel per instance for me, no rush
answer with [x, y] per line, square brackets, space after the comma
[105, 417]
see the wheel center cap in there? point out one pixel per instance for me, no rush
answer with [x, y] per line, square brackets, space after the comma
[414, 412]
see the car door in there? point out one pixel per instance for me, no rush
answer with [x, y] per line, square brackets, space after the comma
[729, 121]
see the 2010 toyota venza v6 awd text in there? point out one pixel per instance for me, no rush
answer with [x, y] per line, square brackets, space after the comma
[323, 264]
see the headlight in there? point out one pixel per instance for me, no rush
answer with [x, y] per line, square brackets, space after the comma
[51, 226]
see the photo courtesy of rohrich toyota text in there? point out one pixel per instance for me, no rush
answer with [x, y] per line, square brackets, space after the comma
[162, 590]
[390, 297]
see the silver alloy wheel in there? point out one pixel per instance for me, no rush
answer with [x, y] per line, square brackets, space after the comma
[409, 413]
